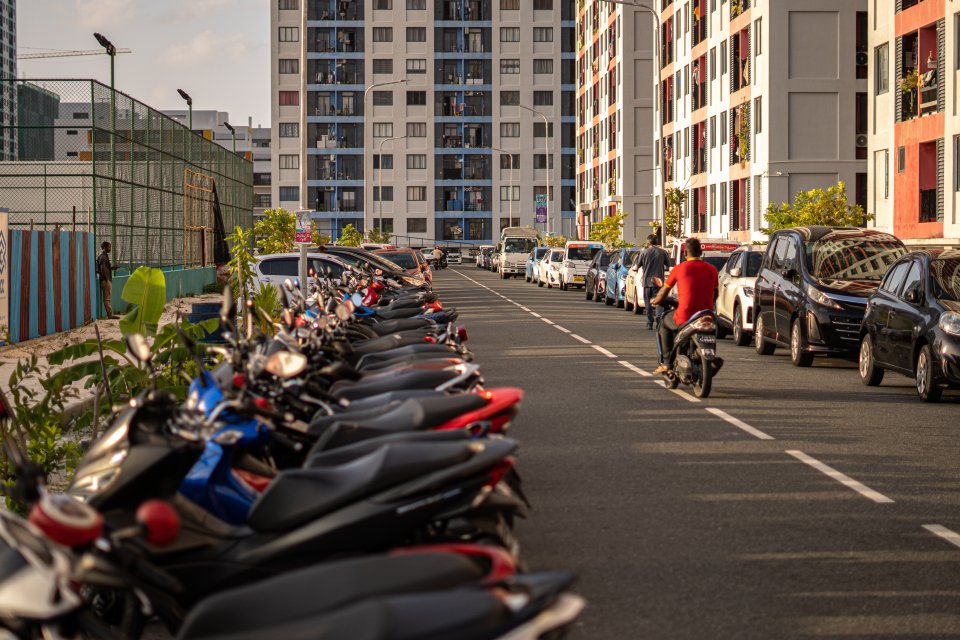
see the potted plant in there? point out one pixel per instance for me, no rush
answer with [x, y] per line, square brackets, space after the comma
[909, 86]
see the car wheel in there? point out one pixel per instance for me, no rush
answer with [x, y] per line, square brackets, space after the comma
[740, 337]
[587, 294]
[870, 374]
[608, 301]
[539, 283]
[627, 305]
[927, 389]
[760, 343]
[799, 355]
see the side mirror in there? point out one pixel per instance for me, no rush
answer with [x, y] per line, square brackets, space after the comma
[139, 348]
[735, 272]
[913, 296]
[288, 285]
[286, 364]
[788, 274]
[160, 522]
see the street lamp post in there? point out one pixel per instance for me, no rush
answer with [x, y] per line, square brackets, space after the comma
[510, 197]
[112, 52]
[365, 92]
[186, 96]
[380, 182]
[546, 155]
[233, 132]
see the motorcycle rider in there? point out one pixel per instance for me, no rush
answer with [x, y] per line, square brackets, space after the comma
[698, 286]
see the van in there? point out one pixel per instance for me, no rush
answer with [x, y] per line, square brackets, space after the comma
[577, 256]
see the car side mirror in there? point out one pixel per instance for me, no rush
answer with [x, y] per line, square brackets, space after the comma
[788, 274]
[735, 272]
[913, 296]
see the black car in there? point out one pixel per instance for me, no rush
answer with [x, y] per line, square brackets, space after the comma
[596, 274]
[912, 325]
[813, 286]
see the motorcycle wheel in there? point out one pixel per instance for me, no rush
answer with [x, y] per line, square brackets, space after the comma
[673, 382]
[701, 387]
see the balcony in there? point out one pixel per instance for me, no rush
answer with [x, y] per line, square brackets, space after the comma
[336, 40]
[698, 21]
[928, 205]
[468, 10]
[740, 61]
[468, 40]
[335, 10]
[919, 76]
[738, 7]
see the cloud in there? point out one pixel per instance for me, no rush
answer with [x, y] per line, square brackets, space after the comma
[179, 10]
[205, 46]
[102, 14]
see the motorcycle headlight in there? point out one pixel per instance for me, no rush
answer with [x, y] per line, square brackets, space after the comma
[748, 291]
[950, 323]
[821, 298]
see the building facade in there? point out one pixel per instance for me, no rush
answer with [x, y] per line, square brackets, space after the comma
[759, 100]
[262, 171]
[478, 121]
[914, 134]
[8, 71]
[615, 137]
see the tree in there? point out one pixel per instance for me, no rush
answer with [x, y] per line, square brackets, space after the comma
[673, 213]
[555, 241]
[319, 239]
[829, 208]
[276, 231]
[609, 231]
[350, 237]
[379, 236]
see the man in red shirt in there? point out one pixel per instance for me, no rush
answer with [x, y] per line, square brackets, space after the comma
[697, 289]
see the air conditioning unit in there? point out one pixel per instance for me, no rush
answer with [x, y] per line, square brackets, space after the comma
[861, 58]
[861, 141]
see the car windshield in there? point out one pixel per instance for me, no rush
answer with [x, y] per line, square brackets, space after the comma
[628, 258]
[605, 259]
[945, 278]
[405, 260]
[752, 261]
[519, 245]
[852, 258]
[582, 253]
[539, 253]
[716, 261]
[556, 256]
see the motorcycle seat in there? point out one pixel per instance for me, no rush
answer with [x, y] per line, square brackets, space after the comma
[322, 421]
[416, 359]
[320, 456]
[409, 350]
[416, 379]
[395, 314]
[414, 414]
[298, 496]
[323, 588]
[403, 324]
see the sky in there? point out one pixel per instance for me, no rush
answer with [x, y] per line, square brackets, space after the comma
[218, 51]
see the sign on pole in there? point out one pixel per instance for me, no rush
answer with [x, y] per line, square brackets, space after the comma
[4, 272]
[541, 200]
[304, 228]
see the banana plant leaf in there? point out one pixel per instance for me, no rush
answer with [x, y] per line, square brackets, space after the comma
[146, 289]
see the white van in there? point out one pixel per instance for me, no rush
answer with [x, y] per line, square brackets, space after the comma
[577, 255]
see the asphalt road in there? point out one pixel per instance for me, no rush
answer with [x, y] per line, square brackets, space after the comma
[718, 519]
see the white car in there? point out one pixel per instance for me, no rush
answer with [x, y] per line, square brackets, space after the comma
[550, 268]
[578, 254]
[454, 256]
[275, 269]
[735, 302]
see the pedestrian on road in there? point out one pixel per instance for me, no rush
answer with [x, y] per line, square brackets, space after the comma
[653, 260]
[105, 273]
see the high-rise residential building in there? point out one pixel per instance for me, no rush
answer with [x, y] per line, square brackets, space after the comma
[262, 171]
[615, 116]
[759, 99]
[914, 179]
[482, 123]
[8, 71]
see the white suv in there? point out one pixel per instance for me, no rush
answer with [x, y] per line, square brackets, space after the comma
[577, 256]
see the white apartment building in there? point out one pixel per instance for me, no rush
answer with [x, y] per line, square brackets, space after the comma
[482, 122]
[262, 171]
[760, 99]
[615, 62]
[8, 71]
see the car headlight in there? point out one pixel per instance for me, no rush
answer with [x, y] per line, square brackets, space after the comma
[748, 291]
[821, 298]
[950, 323]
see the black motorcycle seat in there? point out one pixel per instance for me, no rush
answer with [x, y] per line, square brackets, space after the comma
[322, 421]
[464, 614]
[298, 496]
[415, 379]
[416, 414]
[392, 396]
[412, 349]
[319, 456]
[394, 314]
[404, 324]
[376, 345]
[415, 359]
[324, 588]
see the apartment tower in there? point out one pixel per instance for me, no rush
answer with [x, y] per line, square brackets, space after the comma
[8, 90]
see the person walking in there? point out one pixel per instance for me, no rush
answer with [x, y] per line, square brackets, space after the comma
[105, 274]
[653, 260]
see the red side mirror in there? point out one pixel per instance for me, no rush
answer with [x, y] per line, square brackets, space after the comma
[161, 522]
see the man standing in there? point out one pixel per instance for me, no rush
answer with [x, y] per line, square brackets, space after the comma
[105, 274]
[654, 262]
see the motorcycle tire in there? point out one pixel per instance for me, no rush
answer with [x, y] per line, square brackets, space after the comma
[701, 388]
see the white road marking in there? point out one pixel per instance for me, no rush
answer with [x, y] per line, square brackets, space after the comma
[635, 369]
[683, 394]
[535, 314]
[548, 321]
[947, 534]
[739, 424]
[842, 478]
[524, 308]
[564, 329]
[604, 351]
[580, 338]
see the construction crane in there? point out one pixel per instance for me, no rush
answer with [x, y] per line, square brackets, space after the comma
[67, 54]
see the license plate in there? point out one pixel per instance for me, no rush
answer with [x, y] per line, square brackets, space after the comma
[707, 338]
[578, 278]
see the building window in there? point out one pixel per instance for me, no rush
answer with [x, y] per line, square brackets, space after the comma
[387, 194]
[509, 65]
[723, 128]
[757, 39]
[713, 132]
[382, 5]
[416, 65]
[416, 225]
[510, 98]
[509, 5]
[509, 129]
[383, 66]
[416, 194]
[543, 98]
[543, 34]
[543, 5]
[81, 115]
[289, 98]
[757, 115]
[289, 161]
[509, 160]
[289, 129]
[543, 65]
[384, 161]
[289, 65]
[383, 34]
[416, 34]
[416, 5]
[289, 34]
[289, 5]
[382, 129]
[509, 34]
[713, 63]
[510, 193]
[416, 129]
[72, 154]
[262, 201]
[383, 98]
[538, 129]
[901, 159]
[723, 58]
[416, 161]
[289, 194]
[416, 98]
[540, 163]
[881, 67]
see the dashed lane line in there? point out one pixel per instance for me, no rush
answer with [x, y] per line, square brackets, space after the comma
[604, 351]
[680, 392]
[840, 477]
[564, 329]
[635, 369]
[739, 424]
[580, 338]
[942, 532]
[548, 321]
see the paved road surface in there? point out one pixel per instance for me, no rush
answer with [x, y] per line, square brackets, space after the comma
[790, 504]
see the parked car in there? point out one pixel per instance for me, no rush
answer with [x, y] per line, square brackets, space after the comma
[276, 268]
[577, 257]
[454, 256]
[483, 256]
[532, 260]
[616, 280]
[550, 268]
[595, 280]
[912, 324]
[368, 261]
[716, 251]
[409, 260]
[494, 260]
[812, 289]
[735, 302]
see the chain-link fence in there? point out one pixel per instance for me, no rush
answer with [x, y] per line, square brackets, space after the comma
[158, 192]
